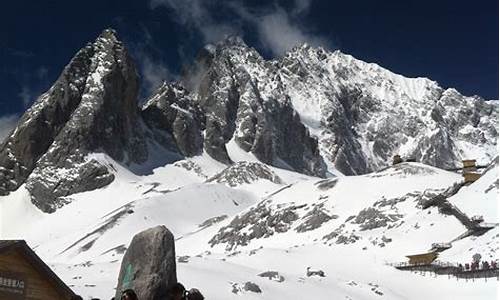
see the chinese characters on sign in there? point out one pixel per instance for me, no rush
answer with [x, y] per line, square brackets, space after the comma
[12, 286]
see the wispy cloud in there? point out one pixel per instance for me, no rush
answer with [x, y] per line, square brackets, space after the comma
[26, 95]
[18, 52]
[42, 72]
[301, 6]
[152, 69]
[32, 83]
[153, 73]
[278, 29]
[197, 16]
[7, 123]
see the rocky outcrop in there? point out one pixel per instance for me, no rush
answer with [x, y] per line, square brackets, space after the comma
[364, 114]
[371, 218]
[272, 275]
[248, 286]
[260, 221]
[91, 108]
[172, 110]
[254, 110]
[245, 173]
[39, 126]
[148, 266]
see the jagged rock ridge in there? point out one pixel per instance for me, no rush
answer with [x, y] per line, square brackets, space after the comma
[92, 107]
[311, 111]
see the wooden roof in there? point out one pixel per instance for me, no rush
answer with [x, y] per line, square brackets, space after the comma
[37, 263]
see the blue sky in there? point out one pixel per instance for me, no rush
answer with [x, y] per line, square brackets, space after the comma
[452, 42]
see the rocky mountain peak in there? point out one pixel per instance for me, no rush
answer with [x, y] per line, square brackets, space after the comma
[312, 111]
[92, 107]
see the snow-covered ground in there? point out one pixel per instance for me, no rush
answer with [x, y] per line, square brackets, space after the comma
[350, 227]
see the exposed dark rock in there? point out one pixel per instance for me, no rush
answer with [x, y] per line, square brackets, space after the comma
[245, 172]
[183, 259]
[264, 124]
[260, 221]
[342, 236]
[212, 221]
[404, 170]
[272, 275]
[310, 272]
[92, 107]
[120, 249]
[172, 110]
[41, 123]
[190, 166]
[314, 218]
[327, 184]
[369, 113]
[246, 287]
[148, 266]
[252, 287]
[371, 218]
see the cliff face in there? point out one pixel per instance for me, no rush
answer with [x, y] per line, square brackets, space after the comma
[244, 99]
[363, 114]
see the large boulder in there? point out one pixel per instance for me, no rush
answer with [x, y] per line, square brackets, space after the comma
[148, 266]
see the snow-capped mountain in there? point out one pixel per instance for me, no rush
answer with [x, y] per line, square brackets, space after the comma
[311, 111]
[244, 160]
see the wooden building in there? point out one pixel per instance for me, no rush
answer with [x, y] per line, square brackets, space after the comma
[422, 259]
[24, 276]
[471, 177]
[469, 163]
[469, 171]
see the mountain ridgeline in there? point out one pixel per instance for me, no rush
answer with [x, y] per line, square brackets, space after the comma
[311, 111]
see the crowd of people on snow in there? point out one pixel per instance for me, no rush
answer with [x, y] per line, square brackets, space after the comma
[176, 292]
[478, 265]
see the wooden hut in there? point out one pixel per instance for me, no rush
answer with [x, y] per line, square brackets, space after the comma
[422, 259]
[469, 163]
[24, 276]
[471, 177]
[469, 171]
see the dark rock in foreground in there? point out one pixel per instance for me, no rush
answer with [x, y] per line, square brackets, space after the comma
[148, 266]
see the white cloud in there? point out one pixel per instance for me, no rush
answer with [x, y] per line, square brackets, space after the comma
[278, 29]
[42, 72]
[26, 95]
[7, 123]
[197, 17]
[278, 33]
[152, 69]
[153, 73]
[301, 6]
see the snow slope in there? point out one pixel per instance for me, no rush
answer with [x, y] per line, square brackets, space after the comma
[350, 227]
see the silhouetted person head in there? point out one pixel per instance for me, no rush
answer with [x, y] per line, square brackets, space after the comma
[129, 295]
[177, 292]
[194, 294]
